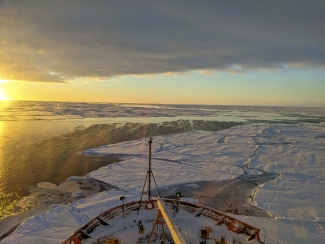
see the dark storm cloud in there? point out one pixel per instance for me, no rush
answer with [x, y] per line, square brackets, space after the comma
[56, 41]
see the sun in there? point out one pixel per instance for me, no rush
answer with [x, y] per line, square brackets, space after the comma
[3, 96]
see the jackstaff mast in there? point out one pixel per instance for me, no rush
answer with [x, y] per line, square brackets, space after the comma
[148, 176]
[149, 171]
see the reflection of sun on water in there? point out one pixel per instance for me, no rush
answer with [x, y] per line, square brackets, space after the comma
[8, 200]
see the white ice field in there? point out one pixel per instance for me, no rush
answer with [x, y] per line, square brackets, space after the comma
[295, 199]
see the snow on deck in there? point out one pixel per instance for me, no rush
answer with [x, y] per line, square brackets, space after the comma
[126, 229]
[295, 199]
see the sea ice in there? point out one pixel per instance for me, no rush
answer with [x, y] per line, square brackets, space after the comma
[295, 198]
[295, 152]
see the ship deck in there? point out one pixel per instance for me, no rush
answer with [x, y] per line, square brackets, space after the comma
[189, 219]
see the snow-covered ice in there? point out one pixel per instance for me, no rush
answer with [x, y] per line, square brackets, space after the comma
[57, 224]
[295, 199]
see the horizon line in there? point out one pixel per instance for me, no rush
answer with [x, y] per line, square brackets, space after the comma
[142, 103]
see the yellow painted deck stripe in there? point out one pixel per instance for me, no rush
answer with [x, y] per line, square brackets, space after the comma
[173, 228]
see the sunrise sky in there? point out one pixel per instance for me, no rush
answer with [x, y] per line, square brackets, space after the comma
[188, 52]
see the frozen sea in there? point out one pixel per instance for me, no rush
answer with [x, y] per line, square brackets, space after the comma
[46, 142]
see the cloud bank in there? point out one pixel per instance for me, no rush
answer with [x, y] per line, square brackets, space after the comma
[56, 41]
